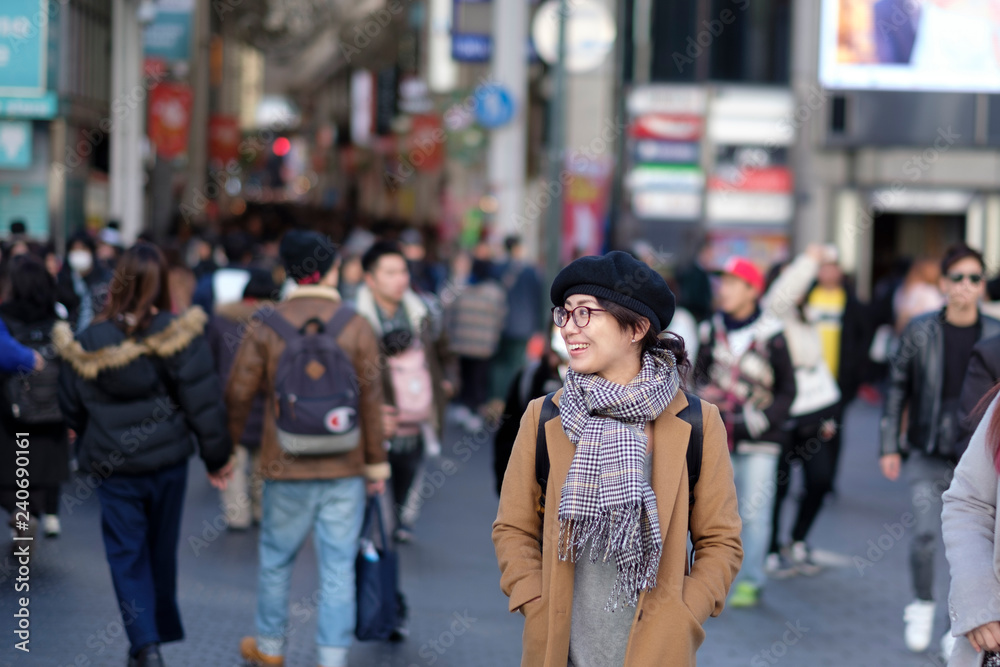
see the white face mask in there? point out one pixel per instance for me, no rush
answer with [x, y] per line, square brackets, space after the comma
[80, 261]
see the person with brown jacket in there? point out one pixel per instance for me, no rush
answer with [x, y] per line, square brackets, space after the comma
[302, 492]
[590, 595]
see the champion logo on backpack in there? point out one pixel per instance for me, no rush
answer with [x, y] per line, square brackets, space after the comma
[341, 420]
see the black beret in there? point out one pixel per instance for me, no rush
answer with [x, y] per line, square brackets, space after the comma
[307, 256]
[620, 278]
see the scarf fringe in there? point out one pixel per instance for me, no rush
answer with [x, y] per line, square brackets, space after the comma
[617, 535]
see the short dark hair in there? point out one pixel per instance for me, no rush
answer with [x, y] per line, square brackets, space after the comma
[32, 285]
[260, 286]
[379, 250]
[956, 253]
[511, 242]
[238, 246]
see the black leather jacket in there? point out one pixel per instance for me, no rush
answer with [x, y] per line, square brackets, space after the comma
[916, 375]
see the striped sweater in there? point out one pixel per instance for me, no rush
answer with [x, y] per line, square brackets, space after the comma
[476, 320]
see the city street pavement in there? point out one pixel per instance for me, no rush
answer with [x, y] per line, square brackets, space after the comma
[849, 615]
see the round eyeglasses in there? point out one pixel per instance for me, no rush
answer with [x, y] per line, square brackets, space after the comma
[580, 315]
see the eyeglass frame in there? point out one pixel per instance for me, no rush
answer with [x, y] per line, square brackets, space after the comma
[571, 316]
[958, 278]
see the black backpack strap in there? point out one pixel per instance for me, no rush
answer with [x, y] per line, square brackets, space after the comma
[281, 326]
[548, 412]
[339, 320]
[692, 414]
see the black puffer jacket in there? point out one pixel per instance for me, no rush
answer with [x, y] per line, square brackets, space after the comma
[916, 378]
[135, 403]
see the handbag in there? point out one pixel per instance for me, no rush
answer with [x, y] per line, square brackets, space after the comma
[376, 581]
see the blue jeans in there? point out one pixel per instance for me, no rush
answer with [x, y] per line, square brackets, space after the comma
[756, 485]
[334, 509]
[141, 523]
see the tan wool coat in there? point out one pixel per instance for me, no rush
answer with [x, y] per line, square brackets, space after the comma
[667, 622]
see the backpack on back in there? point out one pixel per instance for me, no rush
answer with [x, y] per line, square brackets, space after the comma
[316, 388]
[33, 396]
[411, 382]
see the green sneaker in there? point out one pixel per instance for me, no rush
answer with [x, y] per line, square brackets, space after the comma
[745, 595]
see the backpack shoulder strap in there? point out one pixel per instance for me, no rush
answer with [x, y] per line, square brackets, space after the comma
[692, 414]
[548, 412]
[281, 326]
[339, 320]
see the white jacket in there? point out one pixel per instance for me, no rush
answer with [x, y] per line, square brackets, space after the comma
[815, 387]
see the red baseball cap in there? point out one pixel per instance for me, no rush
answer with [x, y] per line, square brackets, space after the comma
[745, 270]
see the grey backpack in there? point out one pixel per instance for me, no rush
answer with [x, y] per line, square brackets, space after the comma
[316, 388]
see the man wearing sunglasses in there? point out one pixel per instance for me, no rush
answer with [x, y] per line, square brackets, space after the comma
[925, 376]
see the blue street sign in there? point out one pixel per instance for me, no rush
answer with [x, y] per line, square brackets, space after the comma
[41, 108]
[495, 107]
[23, 46]
[470, 47]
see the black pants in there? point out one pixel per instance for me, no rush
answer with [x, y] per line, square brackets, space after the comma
[475, 381]
[141, 522]
[405, 455]
[819, 460]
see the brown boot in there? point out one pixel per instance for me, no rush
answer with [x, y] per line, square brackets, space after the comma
[253, 656]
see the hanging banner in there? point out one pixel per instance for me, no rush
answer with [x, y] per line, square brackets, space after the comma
[223, 138]
[426, 143]
[585, 205]
[170, 119]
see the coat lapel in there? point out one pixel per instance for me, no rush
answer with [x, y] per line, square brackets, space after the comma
[560, 456]
[670, 440]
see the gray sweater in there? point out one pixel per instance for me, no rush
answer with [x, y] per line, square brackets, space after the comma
[599, 638]
[969, 523]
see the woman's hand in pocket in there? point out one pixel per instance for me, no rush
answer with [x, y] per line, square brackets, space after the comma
[524, 607]
[985, 637]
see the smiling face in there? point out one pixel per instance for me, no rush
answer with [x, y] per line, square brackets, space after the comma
[601, 347]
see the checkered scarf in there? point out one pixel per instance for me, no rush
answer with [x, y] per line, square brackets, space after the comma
[606, 497]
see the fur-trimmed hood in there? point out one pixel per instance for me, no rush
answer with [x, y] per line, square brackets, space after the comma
[166, 342]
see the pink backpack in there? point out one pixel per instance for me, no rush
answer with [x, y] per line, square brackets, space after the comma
[411, 381]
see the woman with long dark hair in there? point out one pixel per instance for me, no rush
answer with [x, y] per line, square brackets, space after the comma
[596, 559]
[970, 539]
[29, 396]
[136, 385]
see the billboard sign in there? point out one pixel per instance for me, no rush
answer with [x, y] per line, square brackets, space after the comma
[23, 47]
[169, 35]
[915, 45]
